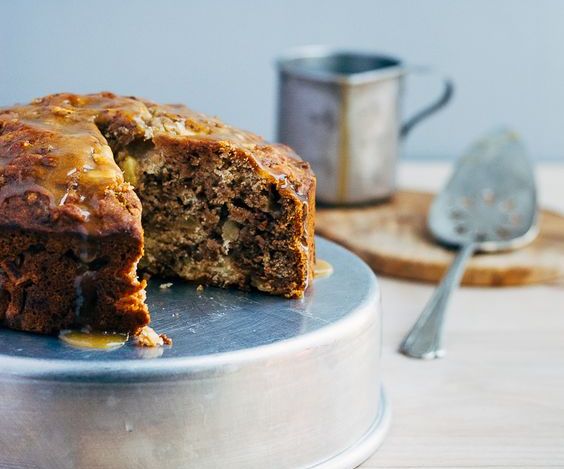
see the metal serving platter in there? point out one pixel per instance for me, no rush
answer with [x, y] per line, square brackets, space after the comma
[252, 381]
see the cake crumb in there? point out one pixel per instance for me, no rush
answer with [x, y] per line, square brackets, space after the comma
[164, 286]
[166, 339]
[147, 337]
[200, 288]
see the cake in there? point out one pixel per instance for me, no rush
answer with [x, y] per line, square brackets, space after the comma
[95, 188]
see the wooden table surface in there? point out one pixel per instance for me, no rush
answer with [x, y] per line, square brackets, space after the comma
[497, 398]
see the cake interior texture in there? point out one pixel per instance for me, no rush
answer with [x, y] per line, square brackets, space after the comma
[52, 282]
[209, 217]
[96, 188]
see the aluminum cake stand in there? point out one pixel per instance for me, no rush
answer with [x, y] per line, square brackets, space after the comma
[252, 381]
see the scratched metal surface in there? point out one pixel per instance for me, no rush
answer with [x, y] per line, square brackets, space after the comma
[215, 321]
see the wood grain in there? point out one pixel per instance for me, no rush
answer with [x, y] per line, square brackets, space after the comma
[392, 238]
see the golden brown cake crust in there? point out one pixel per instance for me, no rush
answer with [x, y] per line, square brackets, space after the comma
[59, 177]
[54, 146]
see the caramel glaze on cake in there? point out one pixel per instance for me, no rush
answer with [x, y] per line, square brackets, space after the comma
[220, 206]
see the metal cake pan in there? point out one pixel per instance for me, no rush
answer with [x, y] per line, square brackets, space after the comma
[252, 381]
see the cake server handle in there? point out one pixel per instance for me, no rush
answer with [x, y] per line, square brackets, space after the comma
[425, 338]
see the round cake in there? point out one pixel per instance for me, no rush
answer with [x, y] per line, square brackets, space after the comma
[94, 186]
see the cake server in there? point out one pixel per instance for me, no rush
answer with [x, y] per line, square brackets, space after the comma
[488, 205]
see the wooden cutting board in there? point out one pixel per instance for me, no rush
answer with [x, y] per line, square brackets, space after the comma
[392, 238]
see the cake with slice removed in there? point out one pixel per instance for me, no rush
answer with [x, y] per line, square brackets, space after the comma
[94, 186]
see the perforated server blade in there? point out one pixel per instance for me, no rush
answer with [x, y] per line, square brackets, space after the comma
[490, 200]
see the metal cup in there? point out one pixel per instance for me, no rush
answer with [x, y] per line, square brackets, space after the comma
[340, 111]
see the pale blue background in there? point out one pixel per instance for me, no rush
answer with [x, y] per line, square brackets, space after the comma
[507, 57]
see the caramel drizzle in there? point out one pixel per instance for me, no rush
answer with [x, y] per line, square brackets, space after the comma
[60, 147]
[322, 269]
[93, 340]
